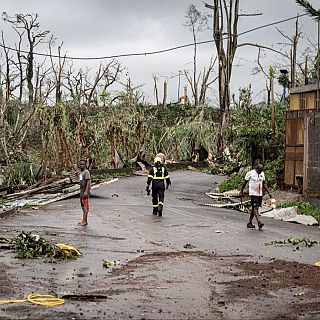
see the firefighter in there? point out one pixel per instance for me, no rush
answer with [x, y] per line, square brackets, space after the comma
[159, 176]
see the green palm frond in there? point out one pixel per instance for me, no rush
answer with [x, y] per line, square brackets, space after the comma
[309, 9]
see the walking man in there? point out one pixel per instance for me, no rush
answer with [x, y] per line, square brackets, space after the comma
[256, 179]
[159, 176]
[85, 186]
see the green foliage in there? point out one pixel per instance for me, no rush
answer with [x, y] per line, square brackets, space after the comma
[250, 133]
[30, 246]
[222, 168]
[21, 174]
[250, 138]
[272, 71]
[106, 176]
[172, 130]
[295, 241]
[234, 182]
[273, 171]
[284, 80]
[305, 208]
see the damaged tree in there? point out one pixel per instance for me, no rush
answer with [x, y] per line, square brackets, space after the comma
[30, 25]
[20, 122]
[225, 34]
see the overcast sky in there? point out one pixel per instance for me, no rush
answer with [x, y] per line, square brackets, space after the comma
[108, 27]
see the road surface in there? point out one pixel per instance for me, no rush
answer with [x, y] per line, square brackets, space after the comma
[230, 272]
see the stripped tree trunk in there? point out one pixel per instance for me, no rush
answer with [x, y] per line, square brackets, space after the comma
[225, 35]
[165, 93]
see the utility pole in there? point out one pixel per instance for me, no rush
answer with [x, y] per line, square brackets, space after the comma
[165, 93]
[273, 121]
[284, 73]
[179, 83]
[271, 83]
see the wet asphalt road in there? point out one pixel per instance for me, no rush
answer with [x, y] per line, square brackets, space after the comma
[156, 279]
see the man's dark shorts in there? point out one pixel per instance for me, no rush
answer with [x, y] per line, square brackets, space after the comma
[256, 201]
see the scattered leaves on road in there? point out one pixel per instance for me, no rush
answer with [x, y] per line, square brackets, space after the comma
[294, 241]
[110, 263]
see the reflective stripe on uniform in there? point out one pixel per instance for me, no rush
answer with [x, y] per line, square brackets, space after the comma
[155, 174]
[160, 203]
[156, 205]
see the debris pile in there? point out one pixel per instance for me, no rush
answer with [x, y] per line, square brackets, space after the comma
[291, 214]
[232, 200]
[45, 194]
[228, 200]
[30, 246]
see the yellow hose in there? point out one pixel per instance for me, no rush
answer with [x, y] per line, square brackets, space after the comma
[40, 299]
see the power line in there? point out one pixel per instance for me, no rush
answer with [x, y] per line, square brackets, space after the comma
[151, 52]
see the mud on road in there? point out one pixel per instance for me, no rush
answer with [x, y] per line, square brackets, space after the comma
[183, 285]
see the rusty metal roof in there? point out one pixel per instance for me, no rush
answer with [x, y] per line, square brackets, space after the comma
[304, 88]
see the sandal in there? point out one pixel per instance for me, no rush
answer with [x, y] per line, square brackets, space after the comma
[250, 225]
[260, 225]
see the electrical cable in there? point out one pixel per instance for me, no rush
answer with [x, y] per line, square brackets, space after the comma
[150, 52]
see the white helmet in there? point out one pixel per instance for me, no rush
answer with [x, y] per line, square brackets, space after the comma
[157, 159]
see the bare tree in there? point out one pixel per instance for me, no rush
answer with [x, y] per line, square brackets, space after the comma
[195, 21]
[155, 89]
[86, 89]
[165, 93]
[74, 83]
[28, 23]
[204, 80]
[6, 70]
[58, 70]
[293, 43]
[225, 35]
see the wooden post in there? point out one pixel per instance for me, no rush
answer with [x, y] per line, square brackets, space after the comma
[179, 83]
[165, 93]
[273, 122]
[185, 94]
[306, 71]
[156, 89]
[305, 155]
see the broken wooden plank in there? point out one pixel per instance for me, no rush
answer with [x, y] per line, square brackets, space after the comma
[44, 199]
[227, 205]
[35, 190]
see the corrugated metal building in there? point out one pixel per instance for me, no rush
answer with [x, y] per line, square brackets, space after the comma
[301, 130]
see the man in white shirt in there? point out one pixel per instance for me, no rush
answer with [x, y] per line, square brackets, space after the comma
[256, 179]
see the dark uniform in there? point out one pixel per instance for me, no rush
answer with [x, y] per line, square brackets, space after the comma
[158, 175]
